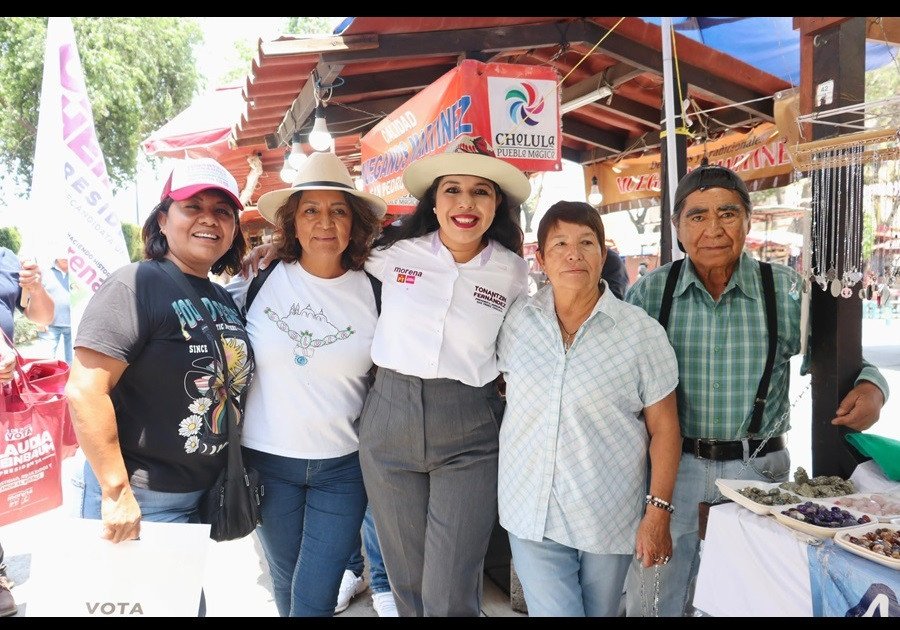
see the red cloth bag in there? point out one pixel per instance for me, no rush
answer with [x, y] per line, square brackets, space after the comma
[36, 434]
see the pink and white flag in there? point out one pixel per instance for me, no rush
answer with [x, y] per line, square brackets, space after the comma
[71, 193]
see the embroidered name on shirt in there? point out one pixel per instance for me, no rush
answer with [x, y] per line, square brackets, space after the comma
[486, 297]
[407, 276]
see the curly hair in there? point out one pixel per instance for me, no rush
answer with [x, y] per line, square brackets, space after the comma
[504, 229]
[156, 246]
[365, 228]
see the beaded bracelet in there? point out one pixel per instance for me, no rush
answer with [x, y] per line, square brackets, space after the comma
[660, 503]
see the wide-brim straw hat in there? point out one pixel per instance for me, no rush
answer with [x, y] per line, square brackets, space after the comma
[321, 171]
[467, 156]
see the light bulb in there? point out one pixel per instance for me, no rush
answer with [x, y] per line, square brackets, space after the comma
[319, 138]
[297, 157]
[287, 172]
[595, 196]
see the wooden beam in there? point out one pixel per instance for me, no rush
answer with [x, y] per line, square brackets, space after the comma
[408, 79]
[305, 103]
[836, 323]
[649, 60]
[315, 45]
[456, 42]
[592, 135]
[883, 30]
[571, 154]
[813, 25]
[632, 110]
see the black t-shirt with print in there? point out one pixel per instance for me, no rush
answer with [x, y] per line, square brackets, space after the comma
[170, 414]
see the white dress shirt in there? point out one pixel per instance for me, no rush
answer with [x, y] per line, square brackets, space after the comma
[440, 318]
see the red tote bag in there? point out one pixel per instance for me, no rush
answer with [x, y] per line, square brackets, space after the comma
[36, 434]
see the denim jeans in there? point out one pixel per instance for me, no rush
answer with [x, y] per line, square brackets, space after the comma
[561, 581]
[378, 580]
[696, 482]
[56, 333]
[312, 512]
[156, 507]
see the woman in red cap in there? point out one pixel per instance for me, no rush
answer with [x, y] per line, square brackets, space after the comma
[147, 387]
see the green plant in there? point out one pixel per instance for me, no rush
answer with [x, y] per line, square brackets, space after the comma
[25, 330]
[11, 239]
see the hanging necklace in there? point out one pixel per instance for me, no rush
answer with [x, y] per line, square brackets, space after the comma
[568, 337]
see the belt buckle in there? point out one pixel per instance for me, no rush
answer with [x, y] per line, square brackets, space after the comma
[698, 442]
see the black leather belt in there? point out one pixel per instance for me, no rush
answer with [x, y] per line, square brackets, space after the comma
[720, 450]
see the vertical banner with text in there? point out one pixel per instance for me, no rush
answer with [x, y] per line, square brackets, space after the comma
[70, 190]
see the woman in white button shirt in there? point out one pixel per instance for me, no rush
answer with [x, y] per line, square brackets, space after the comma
[311, 327]
[590, 391]
[428, 435]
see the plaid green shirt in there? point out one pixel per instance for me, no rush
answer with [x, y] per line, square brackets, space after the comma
[722, 346]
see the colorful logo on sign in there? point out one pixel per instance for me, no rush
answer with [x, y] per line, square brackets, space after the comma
[526, 104]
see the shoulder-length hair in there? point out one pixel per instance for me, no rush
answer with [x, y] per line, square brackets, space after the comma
[504, 229]
[365, 228]
[156, 246]
[577, 212]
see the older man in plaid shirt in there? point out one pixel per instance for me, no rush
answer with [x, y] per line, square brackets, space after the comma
[717, 324]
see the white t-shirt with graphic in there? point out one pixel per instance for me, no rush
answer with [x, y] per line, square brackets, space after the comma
[440, 318]
[312, 339]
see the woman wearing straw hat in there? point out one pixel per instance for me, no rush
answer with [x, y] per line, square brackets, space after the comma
[428, 434]
[428, 431]
[311, 325]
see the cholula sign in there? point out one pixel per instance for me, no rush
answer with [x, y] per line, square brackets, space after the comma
[512, 109]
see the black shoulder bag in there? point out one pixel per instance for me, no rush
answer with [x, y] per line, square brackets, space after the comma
[232, 506]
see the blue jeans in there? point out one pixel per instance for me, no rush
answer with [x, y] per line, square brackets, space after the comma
[156, 507]
[561, 581]
[378, 579]
[56, 333]
[312, 512]
[696, 482]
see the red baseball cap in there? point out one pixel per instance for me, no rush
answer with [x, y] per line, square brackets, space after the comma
[191, 176]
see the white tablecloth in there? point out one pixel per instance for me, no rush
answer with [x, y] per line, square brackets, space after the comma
[753, 566]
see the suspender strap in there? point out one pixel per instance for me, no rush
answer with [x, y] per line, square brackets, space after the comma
[768, 285]
[666, 304]
[376, 289]
[759, 404]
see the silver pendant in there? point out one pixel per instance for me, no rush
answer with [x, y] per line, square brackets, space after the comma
[835, 287]
[862, 294]
[846, 292]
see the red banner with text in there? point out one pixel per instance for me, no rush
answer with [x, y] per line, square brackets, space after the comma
[759, 156]
[514, 109]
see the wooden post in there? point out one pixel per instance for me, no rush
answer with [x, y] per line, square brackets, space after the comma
[832, 49]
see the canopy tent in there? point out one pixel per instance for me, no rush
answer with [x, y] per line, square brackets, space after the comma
[768, 43]
[201, 130]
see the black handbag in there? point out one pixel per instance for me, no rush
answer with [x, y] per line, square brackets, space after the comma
[232, 506]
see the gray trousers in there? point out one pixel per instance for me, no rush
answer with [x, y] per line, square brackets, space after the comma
[428, 450]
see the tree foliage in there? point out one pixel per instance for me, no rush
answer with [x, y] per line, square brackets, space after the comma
[308, 25]
[140, 72]
[10, 238]
[133, 242]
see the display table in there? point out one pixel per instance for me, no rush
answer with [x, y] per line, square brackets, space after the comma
[753, 566]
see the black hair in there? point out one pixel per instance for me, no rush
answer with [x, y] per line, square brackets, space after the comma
[504, 229]
[577, 212]
[156, 246]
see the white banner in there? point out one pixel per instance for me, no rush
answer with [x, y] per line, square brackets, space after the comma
[75, 573]
[70, 191]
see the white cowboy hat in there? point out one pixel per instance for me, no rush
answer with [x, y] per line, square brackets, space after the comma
[468, 156]
[321, 171]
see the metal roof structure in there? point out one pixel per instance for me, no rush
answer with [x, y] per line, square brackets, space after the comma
[378, 63]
